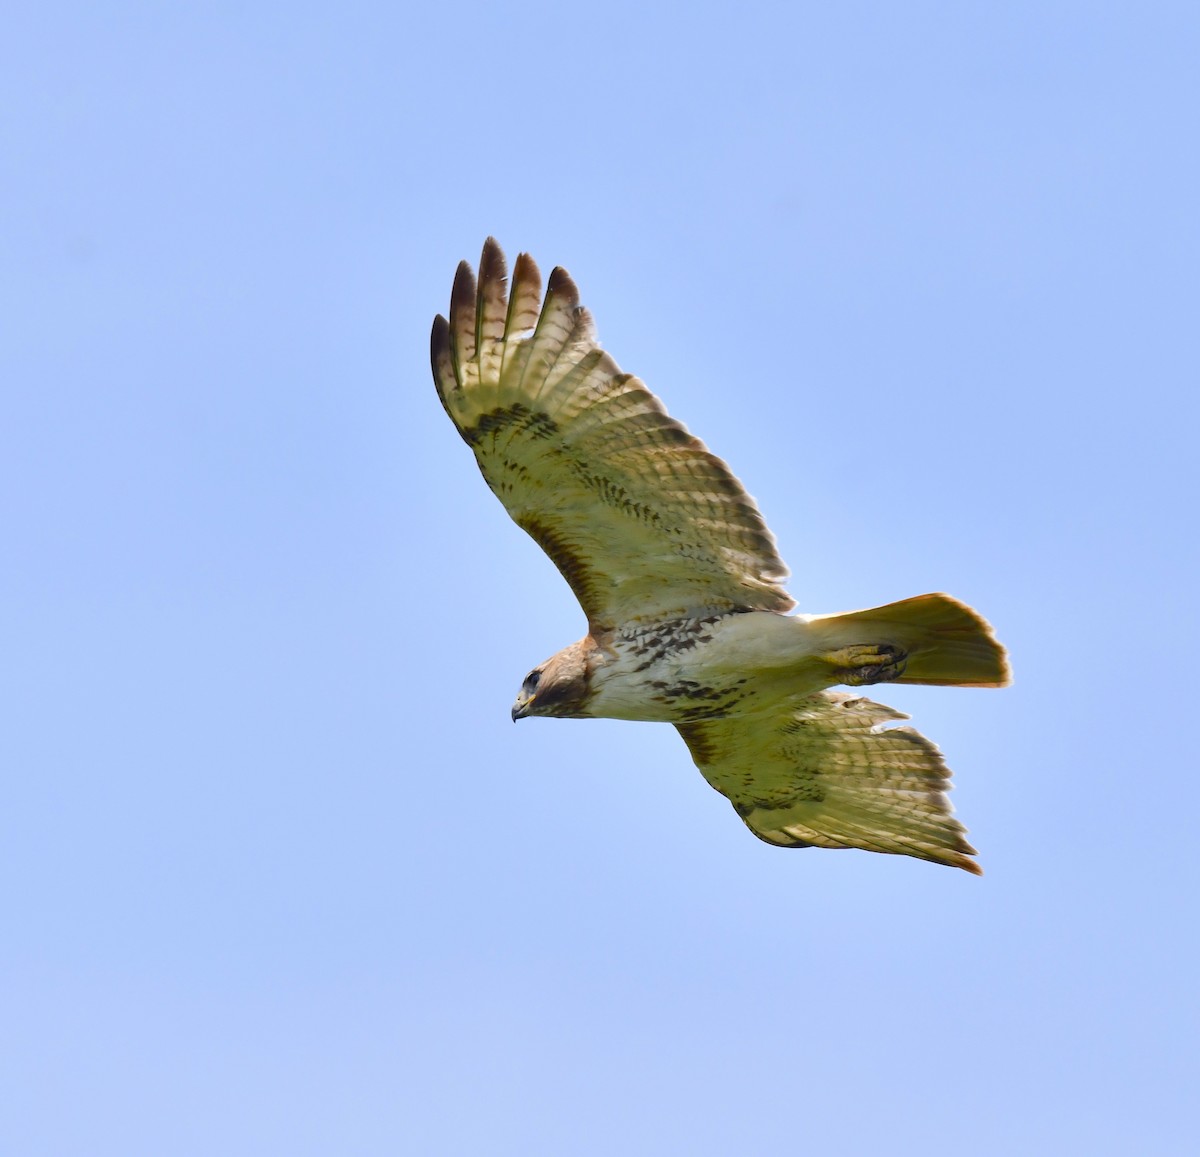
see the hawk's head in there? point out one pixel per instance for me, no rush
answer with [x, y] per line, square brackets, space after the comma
[560, 686]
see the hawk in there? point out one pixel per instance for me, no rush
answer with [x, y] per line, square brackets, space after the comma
[681, 584]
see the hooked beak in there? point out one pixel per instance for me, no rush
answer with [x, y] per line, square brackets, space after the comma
[521, 706]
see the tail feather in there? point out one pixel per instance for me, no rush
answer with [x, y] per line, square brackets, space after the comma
[948, 644]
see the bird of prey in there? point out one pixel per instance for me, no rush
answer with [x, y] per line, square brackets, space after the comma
[681, 584]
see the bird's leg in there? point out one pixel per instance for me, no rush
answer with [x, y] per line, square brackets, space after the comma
[864, 663]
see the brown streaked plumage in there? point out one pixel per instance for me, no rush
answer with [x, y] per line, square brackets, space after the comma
[680, 581]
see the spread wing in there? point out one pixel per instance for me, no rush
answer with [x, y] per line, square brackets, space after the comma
[825, 772]
[642, 521]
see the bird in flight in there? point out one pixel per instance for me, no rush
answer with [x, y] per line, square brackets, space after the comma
[680, 581]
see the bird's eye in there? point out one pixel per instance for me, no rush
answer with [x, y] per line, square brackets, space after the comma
[532, 680]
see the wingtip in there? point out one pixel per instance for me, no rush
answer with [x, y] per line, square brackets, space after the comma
[442, 358]
[526, 268]
[562, 285]
[462, 317]
[524, 296]
[492, 265]
[439, 337]
[463, 292]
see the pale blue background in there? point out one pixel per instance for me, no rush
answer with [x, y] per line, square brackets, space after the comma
[278, 875]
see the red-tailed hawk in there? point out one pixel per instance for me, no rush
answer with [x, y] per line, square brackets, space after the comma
[681, 584]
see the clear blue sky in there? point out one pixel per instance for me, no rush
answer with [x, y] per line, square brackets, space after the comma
[278, 874]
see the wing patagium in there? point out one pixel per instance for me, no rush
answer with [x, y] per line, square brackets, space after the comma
[827, 772]
[643, 522]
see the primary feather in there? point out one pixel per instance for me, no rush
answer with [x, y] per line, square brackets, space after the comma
[642, 521]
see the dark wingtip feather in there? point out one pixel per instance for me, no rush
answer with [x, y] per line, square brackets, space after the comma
[463, 292]
[492, 266]
[491, 308]
[562, 285]
[526, 270]
[462, 317]
[442, 359]
[439, 338]
[525, 296]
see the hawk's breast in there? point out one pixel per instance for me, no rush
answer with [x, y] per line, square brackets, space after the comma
[705, 667]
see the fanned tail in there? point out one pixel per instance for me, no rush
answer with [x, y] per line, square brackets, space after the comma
[947, 643]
